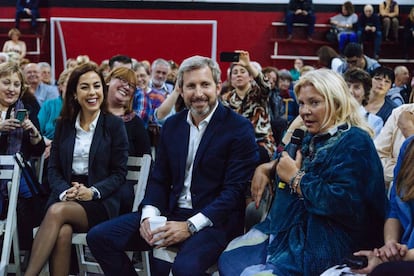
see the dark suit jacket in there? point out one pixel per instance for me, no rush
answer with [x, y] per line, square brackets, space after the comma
[107, 160]
[223, 166]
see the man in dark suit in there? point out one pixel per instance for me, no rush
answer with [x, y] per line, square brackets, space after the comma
[205, 159]
[27, 8]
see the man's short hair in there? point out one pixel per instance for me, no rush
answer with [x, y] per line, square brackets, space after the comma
[198, 62]
[353, 49]
[119, 58]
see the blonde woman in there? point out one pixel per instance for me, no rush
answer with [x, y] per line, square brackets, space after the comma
[331, 201]
[15, 45]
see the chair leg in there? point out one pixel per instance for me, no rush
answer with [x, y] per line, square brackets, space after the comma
[145, 262]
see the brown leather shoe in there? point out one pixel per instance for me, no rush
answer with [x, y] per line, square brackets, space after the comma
[289, 37]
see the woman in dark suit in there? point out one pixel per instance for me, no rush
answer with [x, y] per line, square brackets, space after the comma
[87, 167]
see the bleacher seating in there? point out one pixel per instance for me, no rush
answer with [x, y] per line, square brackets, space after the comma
[35, 42]
[391, 53]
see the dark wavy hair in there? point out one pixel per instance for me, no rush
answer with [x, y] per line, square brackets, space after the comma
[355, 75]
[71, 106]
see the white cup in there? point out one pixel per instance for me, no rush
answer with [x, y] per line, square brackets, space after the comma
[157, 222]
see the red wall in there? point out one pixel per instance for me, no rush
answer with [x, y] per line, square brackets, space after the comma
[235, 30]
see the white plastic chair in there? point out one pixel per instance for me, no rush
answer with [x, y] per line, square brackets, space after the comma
[11, 172]
[138, 170]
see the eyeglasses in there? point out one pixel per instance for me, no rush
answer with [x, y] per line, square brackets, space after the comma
[124, 82]
[352, 61]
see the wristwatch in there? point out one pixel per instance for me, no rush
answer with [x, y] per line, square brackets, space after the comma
[191, 227]
[95, 194]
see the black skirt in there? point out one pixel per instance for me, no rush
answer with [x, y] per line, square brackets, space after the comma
[95, 210]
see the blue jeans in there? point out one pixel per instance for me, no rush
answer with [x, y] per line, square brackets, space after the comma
[345, 38]
[292, 18]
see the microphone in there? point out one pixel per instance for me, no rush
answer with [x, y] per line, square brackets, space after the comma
[295, 142]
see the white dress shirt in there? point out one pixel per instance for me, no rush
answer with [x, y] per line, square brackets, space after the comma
[83, 141]
[199, 220]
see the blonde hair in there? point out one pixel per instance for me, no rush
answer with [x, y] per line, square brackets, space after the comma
[14, 31]
[341, 106]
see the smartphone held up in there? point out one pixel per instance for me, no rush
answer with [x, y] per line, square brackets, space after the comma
[229, 57]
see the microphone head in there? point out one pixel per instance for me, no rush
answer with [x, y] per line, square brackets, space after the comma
[297, 136]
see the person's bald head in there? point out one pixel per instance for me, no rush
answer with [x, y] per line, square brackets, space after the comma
[402, 75]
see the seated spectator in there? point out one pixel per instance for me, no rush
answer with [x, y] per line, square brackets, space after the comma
[389, 13]
[41, 91]
[378, 102]
[88, 165]
[276, 105]
[295, 71]
[401, 89]
[329, 58]
[345, 23]
[45, 75]
[122, 83]
[312, 223]
[250, 98]
[160, 89]
[21, 137]
[390, 139]
[369, 28]
[15, 45]
[300, 11]
[360, 83]
[142, 102]
[27, 8]
[408, 33]
[284, 85]
[354, 57]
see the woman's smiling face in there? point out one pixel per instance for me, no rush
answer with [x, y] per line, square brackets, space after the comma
[120, 91]
[89, 92]
[10, 89]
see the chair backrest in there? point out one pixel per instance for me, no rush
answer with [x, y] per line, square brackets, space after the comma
[38, 164]
[10, 171]
[138, 170]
